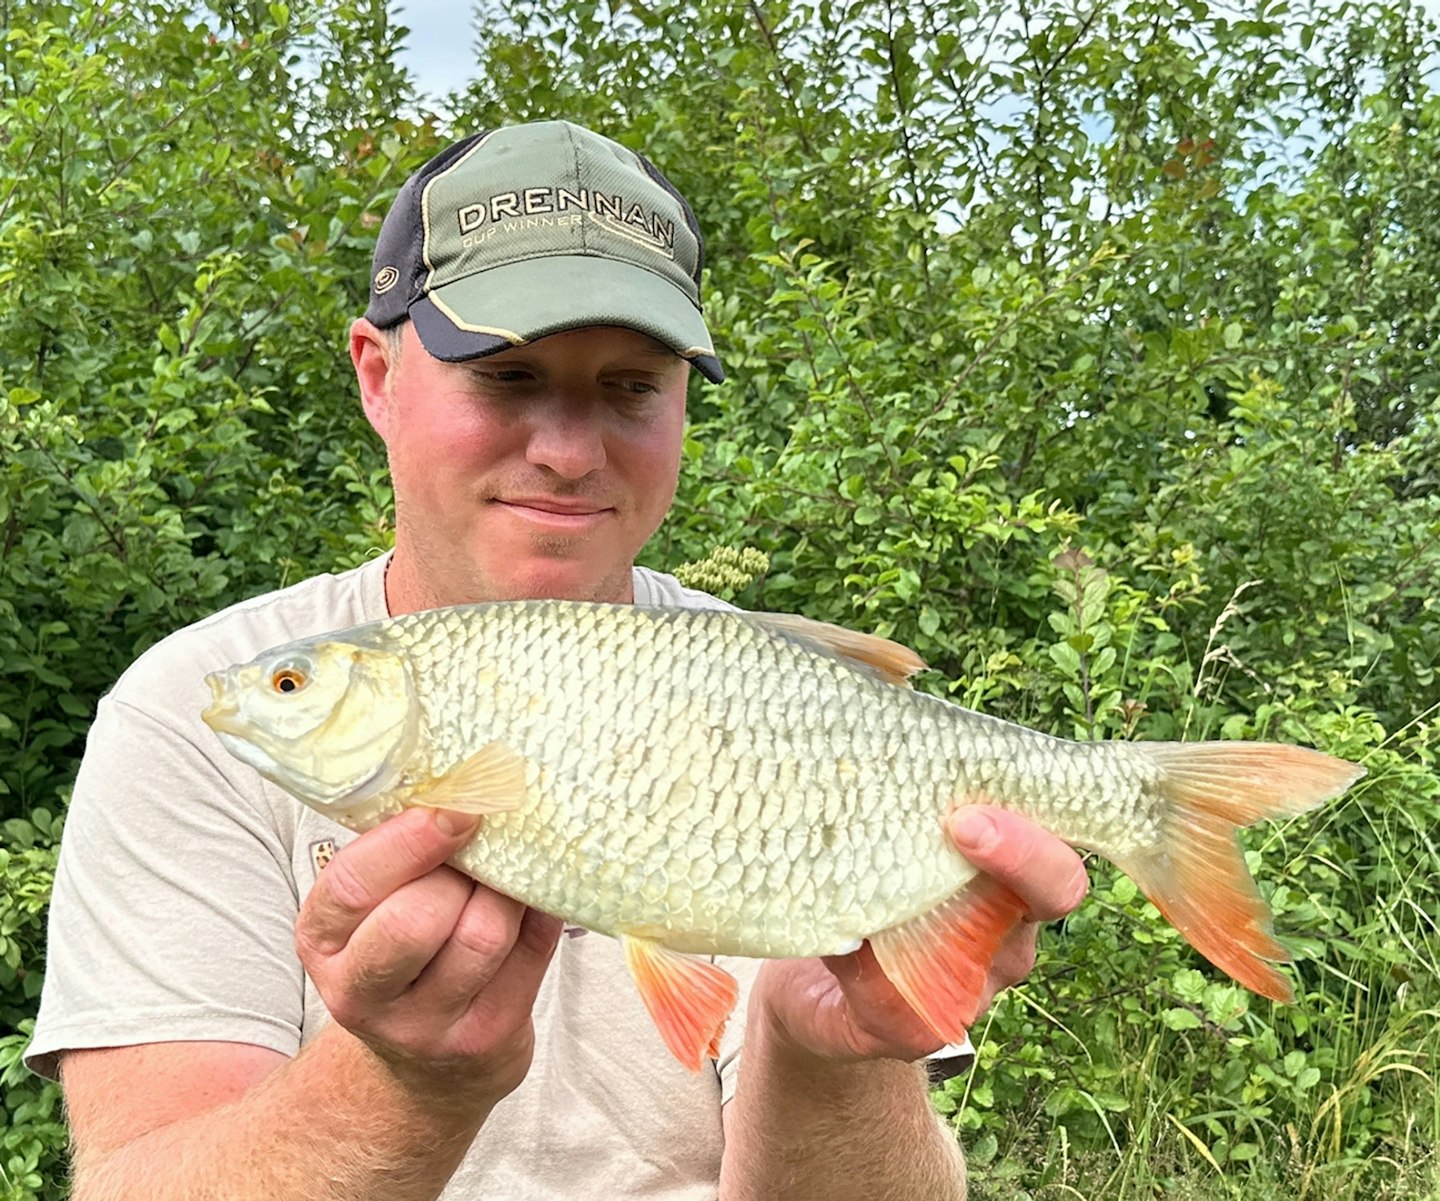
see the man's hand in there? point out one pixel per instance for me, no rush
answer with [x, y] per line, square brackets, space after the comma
[436, 973]
[844, 1008]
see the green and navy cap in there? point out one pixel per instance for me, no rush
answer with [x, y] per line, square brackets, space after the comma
[528, 230]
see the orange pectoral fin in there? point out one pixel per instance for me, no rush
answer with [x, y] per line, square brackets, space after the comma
[690, 999]
[939, 961]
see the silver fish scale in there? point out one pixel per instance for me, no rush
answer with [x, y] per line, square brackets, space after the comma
[695, 777]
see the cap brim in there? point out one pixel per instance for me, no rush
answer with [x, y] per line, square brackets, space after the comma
[520, 302]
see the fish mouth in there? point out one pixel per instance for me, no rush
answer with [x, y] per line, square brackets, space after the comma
[222, 714]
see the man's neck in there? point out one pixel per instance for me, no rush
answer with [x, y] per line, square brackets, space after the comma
[408, 590]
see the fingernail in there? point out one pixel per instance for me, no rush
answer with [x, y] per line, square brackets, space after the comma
[452, 824]
[974, 831]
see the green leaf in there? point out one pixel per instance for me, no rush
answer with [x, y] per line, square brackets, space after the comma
[1180, 1019]
[1067, 657]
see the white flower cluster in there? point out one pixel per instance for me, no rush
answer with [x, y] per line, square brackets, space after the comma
[725, 571]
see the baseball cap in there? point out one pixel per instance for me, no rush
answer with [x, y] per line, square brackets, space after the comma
[528, 230]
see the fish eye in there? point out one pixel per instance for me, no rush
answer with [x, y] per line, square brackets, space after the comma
[288, 679]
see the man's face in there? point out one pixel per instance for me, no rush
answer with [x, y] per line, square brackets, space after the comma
[535, 472]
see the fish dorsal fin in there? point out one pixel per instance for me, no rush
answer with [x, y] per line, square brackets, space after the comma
[895, 663]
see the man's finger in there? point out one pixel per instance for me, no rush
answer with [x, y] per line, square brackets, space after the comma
[483, 937]
[1045, 873]
[372, 867]
[517, 984]
[877, 1007]
[1015, 958]
[400, 937]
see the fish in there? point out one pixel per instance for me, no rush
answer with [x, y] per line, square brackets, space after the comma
[706, 782]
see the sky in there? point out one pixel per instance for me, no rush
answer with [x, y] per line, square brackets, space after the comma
[440, 49]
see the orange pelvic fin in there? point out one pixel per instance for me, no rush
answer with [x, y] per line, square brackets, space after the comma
[892, 661]
[939, 961]
[1197, 877]
[690, 999]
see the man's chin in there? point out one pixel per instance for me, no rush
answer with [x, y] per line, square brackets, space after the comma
[564, 579]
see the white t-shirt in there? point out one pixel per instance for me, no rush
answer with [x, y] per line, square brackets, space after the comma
[181, 874]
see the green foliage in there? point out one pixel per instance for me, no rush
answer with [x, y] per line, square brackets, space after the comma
[1087, 348]
[1147, 1068]
[32, 1144]
[34, 1138]
[174, 432]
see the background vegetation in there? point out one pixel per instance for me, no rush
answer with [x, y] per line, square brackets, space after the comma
[1087, 347]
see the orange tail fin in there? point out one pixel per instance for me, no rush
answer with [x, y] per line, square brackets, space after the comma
[1197, 877]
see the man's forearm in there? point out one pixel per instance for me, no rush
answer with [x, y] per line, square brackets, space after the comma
[797, 1130]
[332, 1124]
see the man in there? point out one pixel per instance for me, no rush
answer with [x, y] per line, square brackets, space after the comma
[534, 317]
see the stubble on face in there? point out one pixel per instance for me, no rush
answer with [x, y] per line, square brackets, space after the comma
[467, 548]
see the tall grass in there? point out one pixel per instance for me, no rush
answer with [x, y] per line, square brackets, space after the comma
[1371, 1135]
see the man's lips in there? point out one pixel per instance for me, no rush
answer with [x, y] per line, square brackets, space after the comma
[554, 504]
[556, 512]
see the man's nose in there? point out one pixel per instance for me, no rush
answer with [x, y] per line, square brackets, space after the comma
[568, 437]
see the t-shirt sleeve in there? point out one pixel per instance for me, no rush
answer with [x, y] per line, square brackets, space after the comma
[656, 589]
[175, 900]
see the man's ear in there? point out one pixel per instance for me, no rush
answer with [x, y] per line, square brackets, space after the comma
[370, 352]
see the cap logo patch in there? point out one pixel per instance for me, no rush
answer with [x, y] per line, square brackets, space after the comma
[536, 208]
[385, 279]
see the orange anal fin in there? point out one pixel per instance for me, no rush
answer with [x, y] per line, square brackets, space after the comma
[690, 999]
[939, 961]
[1197, 878]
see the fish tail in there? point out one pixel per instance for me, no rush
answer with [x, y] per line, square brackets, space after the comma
[1197, 876]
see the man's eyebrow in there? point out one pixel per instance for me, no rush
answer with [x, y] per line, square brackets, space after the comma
[652, 357]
